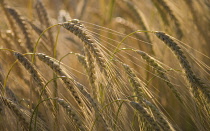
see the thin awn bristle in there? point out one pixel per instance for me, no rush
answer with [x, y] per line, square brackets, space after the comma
[147, 117]
[191, 77]
[70, 82]
[162, 73]
[91, 72]
[66, 78]
[137, 89]
[23, 115]
[94, 104]
[19, 114]
[139, 19]
[72, 113]
[79, 30]
[34, 73]
[134, 82]
[90, 69]
[159, 116]
[131, 26]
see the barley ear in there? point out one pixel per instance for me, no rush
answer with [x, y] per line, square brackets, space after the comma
[164, 9]
[11, 23]
[194, 81]
[35, 75]
[161, 72]
[149, 120]
[79, 30]
[72, 113]
[19, 114]
[22, 24]
[44, 19]
[68, 81]
[136, 11]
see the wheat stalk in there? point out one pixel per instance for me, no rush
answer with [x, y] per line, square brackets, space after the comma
[162, 6]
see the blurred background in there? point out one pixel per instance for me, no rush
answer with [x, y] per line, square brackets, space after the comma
[109, 21]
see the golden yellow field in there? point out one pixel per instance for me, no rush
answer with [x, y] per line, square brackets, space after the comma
[105, 65]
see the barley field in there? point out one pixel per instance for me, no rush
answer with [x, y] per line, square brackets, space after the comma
[105, 65]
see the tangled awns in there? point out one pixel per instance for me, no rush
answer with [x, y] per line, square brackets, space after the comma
[104, 65]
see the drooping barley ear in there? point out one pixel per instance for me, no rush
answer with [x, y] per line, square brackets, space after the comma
[139, 19]
[148, 119]
[23, 115]
[55, 66]
[79, 30]
[94, 104]
[35, 75]
[196, 20]
[91, 72]
[22, 24]
[82, 60]
[161, 72]
[11, 24]
[164, 9]
[194, 81]
[159, 116]
[44, 19]
[135, 82]
[90, 69]
[16, 110]
[70, 82]
[72, 113]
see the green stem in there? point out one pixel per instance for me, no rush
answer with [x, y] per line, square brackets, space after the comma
[118, 46]
[34, 51]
